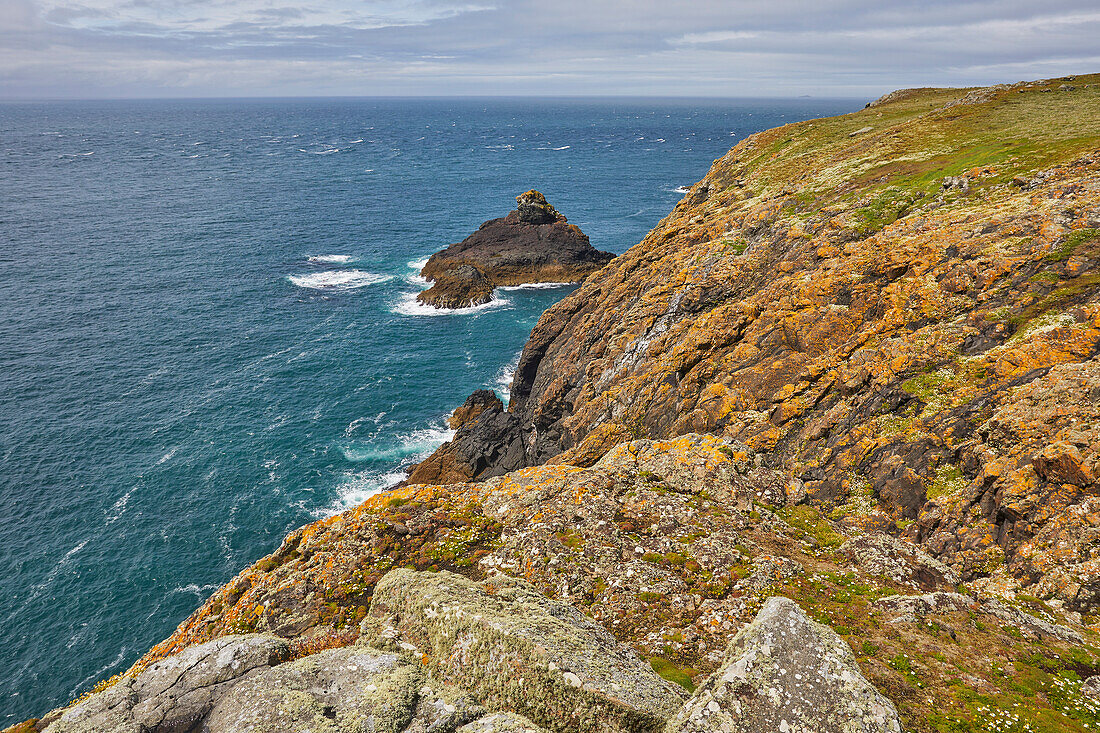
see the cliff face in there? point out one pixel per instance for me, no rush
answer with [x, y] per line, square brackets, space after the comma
[858, 366]
[897, 307]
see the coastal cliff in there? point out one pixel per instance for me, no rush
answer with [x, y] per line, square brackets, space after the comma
[821, 451]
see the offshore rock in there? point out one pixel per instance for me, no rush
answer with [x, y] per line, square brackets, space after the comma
[515, 649]
[787, 673]
[532, 244]
[174, 694]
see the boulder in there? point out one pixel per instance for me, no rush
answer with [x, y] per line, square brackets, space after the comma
[903, 562]
[501, 723]
[172, 695]
[785, 673]
[344, 690]
[514, 649]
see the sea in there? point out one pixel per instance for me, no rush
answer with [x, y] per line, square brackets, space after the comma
[209, 333]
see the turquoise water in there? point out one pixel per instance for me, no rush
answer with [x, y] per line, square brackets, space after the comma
[209, 336]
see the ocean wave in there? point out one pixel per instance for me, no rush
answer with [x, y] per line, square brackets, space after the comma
[400, 452]
[682, 189]
[534, 286]
[337, 280]
[323, 151]
[502, 382]
[400, 447]
[331, 259]
[408, 305]
[418, 265]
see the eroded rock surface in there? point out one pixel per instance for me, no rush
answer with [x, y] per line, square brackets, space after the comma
[787, 673]
[532, 244]
[515, 649]
[174, 694]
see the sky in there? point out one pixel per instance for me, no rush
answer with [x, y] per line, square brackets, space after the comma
[717, 48]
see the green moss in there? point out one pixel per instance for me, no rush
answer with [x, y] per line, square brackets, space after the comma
[948, 480]
[1069, 245]
[809, 520]
[883, 210]
[681, 676]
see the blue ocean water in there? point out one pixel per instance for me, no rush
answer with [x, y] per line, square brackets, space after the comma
[208, 334]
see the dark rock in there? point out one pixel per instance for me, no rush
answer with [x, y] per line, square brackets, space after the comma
[532, 244]
[532, 208]
[475, 404]
[785, 673]
[489, 444]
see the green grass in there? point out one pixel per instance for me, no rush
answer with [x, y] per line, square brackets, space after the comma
[681, 676]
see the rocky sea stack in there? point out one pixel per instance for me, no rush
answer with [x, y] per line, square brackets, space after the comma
[819, 455]
[533, 244]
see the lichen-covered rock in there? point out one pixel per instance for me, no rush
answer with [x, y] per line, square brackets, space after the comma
[789, 674]
[903, 562]
[172, 695]
[914, 607]
[502, 723]
[344, 690]
[515, 649]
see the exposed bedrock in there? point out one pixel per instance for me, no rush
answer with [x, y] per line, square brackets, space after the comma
[532, 244]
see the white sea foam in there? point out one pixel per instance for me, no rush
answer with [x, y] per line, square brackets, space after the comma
[337, 280]
[534, 286]
[418, 265]
[502, 382]
[682, 189]
[353, 142]
[408, 305]
[401, 447]
[333, 259]
[402, 452]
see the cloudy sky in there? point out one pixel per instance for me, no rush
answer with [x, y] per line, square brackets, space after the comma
[187, 48]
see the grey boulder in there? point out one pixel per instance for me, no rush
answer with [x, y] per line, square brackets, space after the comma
[174, 694]
[346, 690]
[785, 673]
[514, 649]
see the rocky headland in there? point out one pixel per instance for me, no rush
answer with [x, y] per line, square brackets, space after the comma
[821, 453]
[532, 244]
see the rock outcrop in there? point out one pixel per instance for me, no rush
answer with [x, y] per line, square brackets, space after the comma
[920, 357]
[517, 650]
[789, 674]
[533, 244]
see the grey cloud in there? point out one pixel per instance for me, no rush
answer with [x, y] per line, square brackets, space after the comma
[712, 47]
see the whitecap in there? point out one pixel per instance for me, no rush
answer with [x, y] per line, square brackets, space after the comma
[337, 280]
[418, 265]
[408, 305]
[333, 259]
[682, 189]
[167, 456]
[354, 142]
